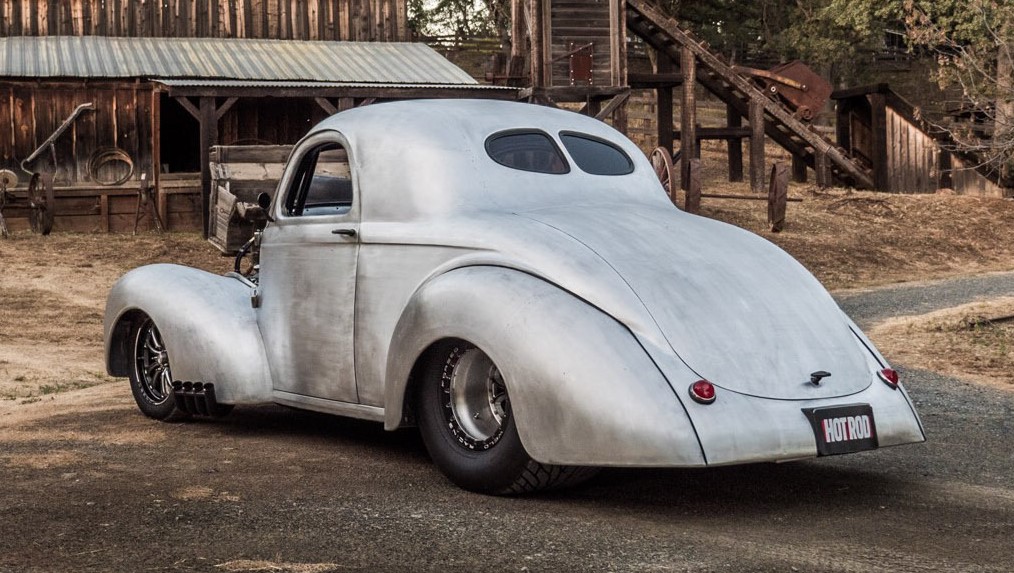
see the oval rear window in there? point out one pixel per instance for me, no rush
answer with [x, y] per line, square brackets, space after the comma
[596, 156]
[527, 151]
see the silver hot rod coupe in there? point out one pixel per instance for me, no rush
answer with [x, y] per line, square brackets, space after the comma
[512, 280]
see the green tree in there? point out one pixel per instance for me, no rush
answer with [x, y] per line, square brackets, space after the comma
[461, 18]
[973, 42]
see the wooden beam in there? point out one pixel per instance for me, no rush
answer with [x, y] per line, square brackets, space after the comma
[209, 137]
[778, 194]
[657, 80]
[878, 135]
[757, 146]
[798, 169]
[571, 94]
[723, 133]
[536, 33]
[613, 105]
[822, 168]
[688, 114]
[225, 107]
[328, 107]
[734, 121]
[663, 100]
[385, 92]
[693, 180]
[191, 109]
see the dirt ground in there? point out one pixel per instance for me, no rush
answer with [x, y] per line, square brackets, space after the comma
[89, 484]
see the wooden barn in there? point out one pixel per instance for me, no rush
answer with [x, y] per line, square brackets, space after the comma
[904, 152]
[107, 115]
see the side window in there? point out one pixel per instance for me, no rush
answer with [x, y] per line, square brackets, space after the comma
[526, 151]
[596, 156]
[322, 185]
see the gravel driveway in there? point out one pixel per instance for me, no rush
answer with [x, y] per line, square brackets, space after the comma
[88, 484]
[870, 306]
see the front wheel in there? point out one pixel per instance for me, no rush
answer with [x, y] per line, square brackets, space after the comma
[151, 376]
[466, 422]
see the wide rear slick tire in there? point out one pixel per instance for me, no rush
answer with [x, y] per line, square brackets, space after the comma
[151, 374]
[467, 426]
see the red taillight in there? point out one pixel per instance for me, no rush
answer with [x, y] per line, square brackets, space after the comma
[890, 377]
[702, 391]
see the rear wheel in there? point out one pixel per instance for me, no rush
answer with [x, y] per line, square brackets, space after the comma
[151, 375]
[467, 425]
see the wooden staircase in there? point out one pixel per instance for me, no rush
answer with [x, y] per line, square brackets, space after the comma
[717, 76]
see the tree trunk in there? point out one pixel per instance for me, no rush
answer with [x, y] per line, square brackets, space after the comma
[1003, 132]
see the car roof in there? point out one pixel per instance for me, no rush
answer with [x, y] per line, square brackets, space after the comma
[418, 157]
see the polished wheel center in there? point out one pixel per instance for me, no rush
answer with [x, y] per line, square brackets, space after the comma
[477, 399]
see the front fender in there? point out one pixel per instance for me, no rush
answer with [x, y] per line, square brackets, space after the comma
[208, 325]
[583, 391]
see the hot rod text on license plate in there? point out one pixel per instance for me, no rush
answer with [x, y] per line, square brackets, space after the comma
[843, 429]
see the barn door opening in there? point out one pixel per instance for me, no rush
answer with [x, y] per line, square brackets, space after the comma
[179, 138]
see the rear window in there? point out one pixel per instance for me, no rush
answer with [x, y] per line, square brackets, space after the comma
[596, 156]
[527, 151]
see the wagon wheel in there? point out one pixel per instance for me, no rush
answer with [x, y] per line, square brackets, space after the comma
[661, 161]
[41, 201]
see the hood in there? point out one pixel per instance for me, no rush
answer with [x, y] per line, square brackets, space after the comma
[735, 308]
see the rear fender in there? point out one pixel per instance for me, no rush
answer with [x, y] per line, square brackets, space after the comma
[207, 322]
[583, 391]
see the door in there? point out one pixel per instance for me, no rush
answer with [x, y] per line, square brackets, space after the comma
[308, 273]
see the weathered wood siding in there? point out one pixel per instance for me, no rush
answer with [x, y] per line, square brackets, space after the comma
[358, 20]
[912, 157]
[967, 181]
[31, 112]
[276, 121]
[577, 23]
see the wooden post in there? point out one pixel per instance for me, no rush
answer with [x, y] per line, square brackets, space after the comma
[693, 199]
[538, 49]
[688, 115]
[735, 144]
[878, 135]
[663, 97]
[945, 178]
[209, 137]
[798, 169]
[757, 146]
[843, 125]
[778, 195]
[823, 169]
[156, 155]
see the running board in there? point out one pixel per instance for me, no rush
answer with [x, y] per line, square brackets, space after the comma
[361, 411]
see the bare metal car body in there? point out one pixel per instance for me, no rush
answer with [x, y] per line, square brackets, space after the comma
[599, 301]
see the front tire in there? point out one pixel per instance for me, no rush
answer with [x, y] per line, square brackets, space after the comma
[467, 425]
[151, 375]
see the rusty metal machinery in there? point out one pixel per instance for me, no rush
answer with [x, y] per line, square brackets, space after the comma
[39, 201]
[795, 85]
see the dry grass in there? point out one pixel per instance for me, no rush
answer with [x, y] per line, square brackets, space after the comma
[959, 341]
[851, 239]
[52, 294]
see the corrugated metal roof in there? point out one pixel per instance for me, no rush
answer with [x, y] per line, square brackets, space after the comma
[216, 83]
[246, 59]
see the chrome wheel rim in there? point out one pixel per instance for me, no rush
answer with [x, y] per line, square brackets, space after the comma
[476, 403]
[151, 364]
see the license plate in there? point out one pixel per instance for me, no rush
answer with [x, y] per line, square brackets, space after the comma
[843, 429]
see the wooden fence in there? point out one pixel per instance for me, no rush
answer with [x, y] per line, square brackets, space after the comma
[359, 20]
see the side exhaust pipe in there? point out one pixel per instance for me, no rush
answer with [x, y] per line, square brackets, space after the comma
[198, 399]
